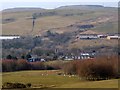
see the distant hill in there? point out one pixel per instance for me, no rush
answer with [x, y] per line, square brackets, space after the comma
[21, 9]
[59, 28]
[81, 7]
[19, 21]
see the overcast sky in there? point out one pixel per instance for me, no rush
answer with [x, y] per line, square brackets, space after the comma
[50, 4]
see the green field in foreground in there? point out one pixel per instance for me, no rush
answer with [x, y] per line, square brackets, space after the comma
[51, 78]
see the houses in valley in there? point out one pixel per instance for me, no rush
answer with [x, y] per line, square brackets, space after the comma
[35, 58]
[81, 56]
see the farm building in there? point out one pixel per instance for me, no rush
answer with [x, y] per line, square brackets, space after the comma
[8, 37]
[113, 37]
[88, 36]
[102, 36]
[34, 59]
[68, 58]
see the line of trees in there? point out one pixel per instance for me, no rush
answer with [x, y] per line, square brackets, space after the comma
[10, 65]
[94, 69]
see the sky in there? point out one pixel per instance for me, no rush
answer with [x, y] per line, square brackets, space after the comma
[50, 4]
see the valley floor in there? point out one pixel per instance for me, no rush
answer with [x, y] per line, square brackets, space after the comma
[53, 79]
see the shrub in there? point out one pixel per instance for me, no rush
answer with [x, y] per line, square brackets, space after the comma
[37, 66]
[96, 70]
[8, 65]
[54, 65]
[11, 57]
[70, 68]
[28, 85]
[23, 65]
[19, 85]
[48, 67]
[8, 85]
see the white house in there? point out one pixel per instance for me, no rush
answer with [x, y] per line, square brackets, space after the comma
[34, 59]
[8, 37]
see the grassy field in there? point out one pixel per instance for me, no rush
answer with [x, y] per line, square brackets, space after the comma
[46, 78]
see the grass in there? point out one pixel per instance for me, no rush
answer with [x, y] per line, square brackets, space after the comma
[0, 79]
[95, 84]
[93, 43]
[52, 79]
